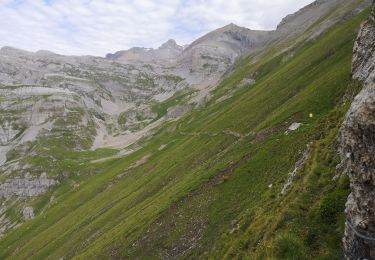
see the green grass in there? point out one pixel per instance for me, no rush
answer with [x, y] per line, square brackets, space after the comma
[208, 195]
[177, 99]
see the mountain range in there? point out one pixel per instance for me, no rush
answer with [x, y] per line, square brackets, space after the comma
[223, 148]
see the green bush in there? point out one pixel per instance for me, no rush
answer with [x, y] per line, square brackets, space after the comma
[289, 246]
[331, 206]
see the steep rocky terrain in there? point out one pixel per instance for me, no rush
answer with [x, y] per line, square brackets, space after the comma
[181, 152]
[85, 103]
[358, 147]
[116, 95]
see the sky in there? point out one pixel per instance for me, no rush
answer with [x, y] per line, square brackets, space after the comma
[97, 27]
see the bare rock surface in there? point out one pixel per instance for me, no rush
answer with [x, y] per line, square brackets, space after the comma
[177, 111]
[304, 19]
[28, 213]
[297, 167]
[293, 127]
[357, 137]
[246, 82]
[26, 187]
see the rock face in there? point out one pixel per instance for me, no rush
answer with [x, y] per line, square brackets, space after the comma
[364, 52]
[217, 50]
[357, 138]
[177, 111]
[42, 93]
[28, 213]
[26, 187]
[297, 167]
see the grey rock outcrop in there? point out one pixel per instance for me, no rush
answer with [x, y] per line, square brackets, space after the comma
[293, 127]
[26, 187]
[297, 167]
[357, 138]
[246, 82]
[177, 111]
[28, 213]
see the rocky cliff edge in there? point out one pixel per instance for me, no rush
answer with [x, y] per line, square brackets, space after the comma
[357, 138]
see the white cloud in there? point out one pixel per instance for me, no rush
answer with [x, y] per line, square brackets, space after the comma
[97, 27]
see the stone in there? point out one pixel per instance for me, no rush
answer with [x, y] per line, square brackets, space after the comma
[28, 213]
[162, 147]
[297, 167]
[246, 82]
[177, 111]
[293, 127]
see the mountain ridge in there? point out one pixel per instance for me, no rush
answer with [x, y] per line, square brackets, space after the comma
[201, 154]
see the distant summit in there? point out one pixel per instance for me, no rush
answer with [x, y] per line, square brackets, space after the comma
[171, 45]
[218, 49]
[167, 51]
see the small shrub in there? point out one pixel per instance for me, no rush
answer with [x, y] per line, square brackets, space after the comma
[289, 246]
[331, 206]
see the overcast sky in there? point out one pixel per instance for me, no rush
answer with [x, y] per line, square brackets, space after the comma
[97, 27]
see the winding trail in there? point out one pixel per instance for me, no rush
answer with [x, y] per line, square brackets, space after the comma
[213, 134]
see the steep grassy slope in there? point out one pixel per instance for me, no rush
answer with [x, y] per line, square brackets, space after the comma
[208, 185]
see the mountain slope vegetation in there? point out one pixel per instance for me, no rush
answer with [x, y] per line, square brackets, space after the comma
[209, 185]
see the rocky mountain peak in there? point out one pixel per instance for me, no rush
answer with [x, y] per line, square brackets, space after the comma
[171, 44]
[233, 38]
[167, 51]
[231, 26]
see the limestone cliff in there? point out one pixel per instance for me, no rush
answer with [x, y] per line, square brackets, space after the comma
[357, 139]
